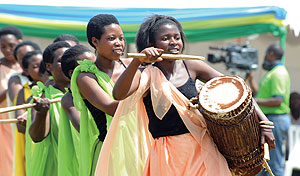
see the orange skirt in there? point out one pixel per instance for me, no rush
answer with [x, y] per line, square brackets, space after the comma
[6, 148]
[183, 155]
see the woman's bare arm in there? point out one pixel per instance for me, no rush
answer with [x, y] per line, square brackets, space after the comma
[201, 70]
[2, 95]
[40, 125]
[90, 90]
[20, 101]
[266, 133]
[71, 111]
[129, 81]
[14, 86]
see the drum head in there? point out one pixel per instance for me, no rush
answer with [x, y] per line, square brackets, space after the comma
[223, 94]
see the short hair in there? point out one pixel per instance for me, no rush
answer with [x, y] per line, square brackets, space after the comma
[43, 68]
[48, 54]
[34, 45]
[69, 58]
[295, 105]
[66, 37]
[145, 35]
[27, 57]
[95, 27]
[277, 50]
[11, 30]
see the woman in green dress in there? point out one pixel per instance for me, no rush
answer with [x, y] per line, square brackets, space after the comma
[92, 85]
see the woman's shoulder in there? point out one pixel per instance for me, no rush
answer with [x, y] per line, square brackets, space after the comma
[196, 65]
[20, 97]
[84, 77]
[193, 62]
[14, 79]
[67, 100]
[126, 61]
[3, 62]
[89, 74]
[190, 64]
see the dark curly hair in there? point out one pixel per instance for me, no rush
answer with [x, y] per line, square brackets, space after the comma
[69, 58]
[145, 35]
[34, 45]
[66, 37]
[48, 54]
[95, 27]
[27, 57]
[11, 30]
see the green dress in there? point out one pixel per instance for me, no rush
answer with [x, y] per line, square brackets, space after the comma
[41, 157]
[68, 147]
[89, 143]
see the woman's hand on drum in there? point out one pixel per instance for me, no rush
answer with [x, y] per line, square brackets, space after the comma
[265, 127]
[267, 134]
[153, 55]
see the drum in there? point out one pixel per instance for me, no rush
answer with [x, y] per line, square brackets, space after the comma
[226, 104]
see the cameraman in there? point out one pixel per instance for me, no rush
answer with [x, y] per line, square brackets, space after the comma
[273, 98]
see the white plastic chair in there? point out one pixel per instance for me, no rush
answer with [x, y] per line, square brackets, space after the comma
[294, 147]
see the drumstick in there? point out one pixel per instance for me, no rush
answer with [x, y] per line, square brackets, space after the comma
[24, 106]
[167, 56]
[4, 121]
[266, 152]
[267, 167]
[267, 158]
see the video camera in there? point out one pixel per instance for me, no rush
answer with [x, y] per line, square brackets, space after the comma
[237, 58]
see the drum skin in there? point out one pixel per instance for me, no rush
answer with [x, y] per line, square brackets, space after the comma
[226, 104]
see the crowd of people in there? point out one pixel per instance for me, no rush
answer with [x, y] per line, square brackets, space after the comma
[98, 93]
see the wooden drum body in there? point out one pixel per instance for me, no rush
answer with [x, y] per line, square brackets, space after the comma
[226, 104]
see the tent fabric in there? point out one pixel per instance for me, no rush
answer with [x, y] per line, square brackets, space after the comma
[199, 24]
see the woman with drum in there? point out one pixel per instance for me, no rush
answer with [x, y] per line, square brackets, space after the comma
[176, 149]
[180, 142]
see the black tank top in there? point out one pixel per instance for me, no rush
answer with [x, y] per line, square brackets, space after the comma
[99, 117]
[172, 123]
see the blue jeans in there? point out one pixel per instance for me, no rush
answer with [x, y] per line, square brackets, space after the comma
[282, 123]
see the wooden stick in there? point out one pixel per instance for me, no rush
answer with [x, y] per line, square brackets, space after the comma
[267, 158]
[4, 121]
[24, 106]
[267, 167]
[266, 152]
[167, 56]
